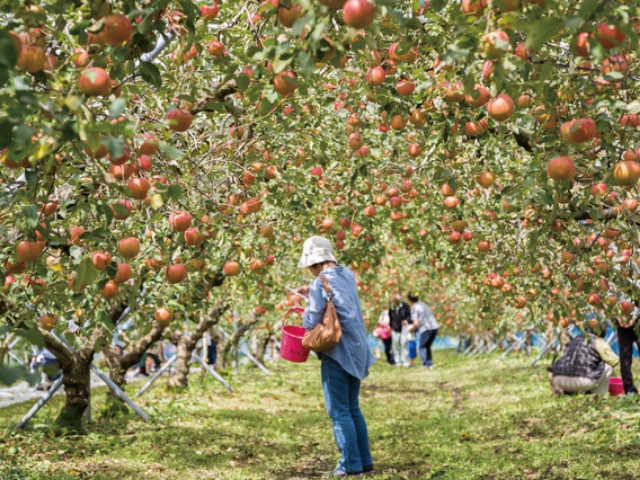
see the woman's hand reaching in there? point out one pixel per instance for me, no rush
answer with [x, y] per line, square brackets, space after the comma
[303, 291]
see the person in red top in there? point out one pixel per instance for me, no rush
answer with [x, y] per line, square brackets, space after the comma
[383, 332]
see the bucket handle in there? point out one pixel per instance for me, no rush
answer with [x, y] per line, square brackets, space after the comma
[294, 310]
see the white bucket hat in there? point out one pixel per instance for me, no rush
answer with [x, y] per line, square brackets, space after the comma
[316, 250]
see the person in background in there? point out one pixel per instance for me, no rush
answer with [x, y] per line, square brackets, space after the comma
[121, 328]
[412, 350]
[585, 366]
[425, 323]
[151, 359]
[383, 332]
[627, 336]
[43, 359]
[399, 317]
[347, 363]
[212, 353]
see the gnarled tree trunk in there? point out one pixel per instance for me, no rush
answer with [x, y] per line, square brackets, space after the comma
[185, 345]
[4, 347]
[262, 340]
[118, 365]
[227, 344]
[75, 378]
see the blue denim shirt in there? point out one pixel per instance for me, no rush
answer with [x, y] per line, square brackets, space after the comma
[352, 352]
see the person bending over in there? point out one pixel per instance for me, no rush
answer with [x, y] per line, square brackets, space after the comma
[585, 366]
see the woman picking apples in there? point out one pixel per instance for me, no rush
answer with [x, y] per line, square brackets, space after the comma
[346, 364]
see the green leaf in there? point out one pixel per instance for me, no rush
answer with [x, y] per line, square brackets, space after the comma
[31, 212]
[634, 107]
[79, 27]
[85, 273]
[7, 50]
[169, 150]
[107, 212]
[117, 107]
[9, 375]
[31, 176]
[242, 82]
[413, 23]
[156, 201]
[146, 25]
[151, 74]
[33, 336]
[299, 25]
[307, 64]
[403, 47]
[541, 32]
[612, 76]
[174, 192]
[4, 75]
[115, 146]
[587, 7]
[280, 64]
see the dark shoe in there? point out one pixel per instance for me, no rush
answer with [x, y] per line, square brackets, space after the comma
[368, 470]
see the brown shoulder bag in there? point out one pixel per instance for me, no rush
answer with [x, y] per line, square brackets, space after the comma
[328, 332]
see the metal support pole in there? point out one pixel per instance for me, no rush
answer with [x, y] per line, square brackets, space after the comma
[477, 348]
[118, 391]
[468, 349]
[212, 372]
[493, 347]
[17, 359]
[544, 351]
[156, 376]
[45, 398]
[245, 350]
[518, 342]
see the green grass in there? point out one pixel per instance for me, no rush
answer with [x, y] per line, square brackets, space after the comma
[479, 418]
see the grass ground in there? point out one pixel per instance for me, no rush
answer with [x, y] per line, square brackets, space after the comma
[479, 418]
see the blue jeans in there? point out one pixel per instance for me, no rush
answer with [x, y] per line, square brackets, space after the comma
[426, 339]
[349, 427]
[212, 354]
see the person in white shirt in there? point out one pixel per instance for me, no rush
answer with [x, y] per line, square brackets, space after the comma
[425, 323]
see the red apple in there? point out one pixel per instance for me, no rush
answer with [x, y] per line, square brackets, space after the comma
[358, 13]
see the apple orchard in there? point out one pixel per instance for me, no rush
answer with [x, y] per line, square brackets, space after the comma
[172, 156]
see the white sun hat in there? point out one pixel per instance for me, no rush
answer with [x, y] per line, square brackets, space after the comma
[316, 250]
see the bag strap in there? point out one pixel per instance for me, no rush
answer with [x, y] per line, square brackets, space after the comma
[325, 282]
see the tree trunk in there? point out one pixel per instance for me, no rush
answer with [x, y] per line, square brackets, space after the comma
[186, 345]
[184, 349]
[4, 347]
[76, 388]
[263, 338]
[118, 365]
[76, 367]
[4, 350]
[221, 344]
[232, 341]
[273, 350]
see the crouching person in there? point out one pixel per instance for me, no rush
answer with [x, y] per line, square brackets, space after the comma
[585, 366]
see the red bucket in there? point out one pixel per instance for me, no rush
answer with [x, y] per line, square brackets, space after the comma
[615, 386]
[291, 346]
